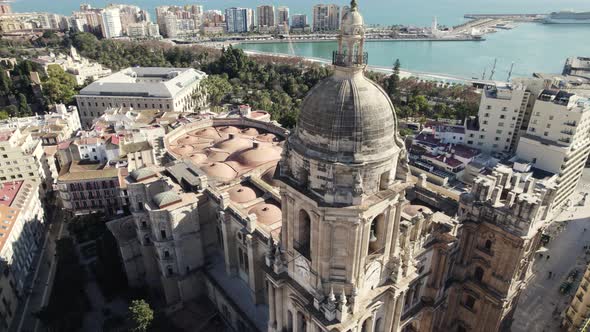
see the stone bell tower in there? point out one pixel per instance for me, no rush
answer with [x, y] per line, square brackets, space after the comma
[338, 266]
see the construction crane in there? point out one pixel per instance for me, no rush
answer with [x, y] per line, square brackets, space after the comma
[493, 69]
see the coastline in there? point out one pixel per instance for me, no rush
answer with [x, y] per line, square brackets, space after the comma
[368, 40]
[379, 69]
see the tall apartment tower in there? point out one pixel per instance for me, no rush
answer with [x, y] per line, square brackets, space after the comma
[283, 16]
[239, 20]
[111, 23]
[338, 266]
[557, 139]
[299, 21]
[265, 16]
[502, 114]
[326, 17]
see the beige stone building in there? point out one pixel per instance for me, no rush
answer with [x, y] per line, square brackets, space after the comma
[322, 228]
[577, 314]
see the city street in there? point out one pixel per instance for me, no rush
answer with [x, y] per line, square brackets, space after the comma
[541, 305]
[40, 281]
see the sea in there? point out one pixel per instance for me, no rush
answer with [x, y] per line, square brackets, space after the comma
[529, 48]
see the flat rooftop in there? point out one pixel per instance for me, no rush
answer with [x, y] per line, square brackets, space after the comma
[156, 82]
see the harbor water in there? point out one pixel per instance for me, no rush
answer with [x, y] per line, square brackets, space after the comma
[532, 47]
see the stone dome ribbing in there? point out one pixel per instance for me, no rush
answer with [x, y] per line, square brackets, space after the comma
[346, 118]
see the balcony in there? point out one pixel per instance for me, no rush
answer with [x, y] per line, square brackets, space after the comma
[344, 59]
[567, 132]
[570, 123]
[565, 140]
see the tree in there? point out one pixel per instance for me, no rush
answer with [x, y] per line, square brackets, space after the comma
[393, 81]
[141, 315]
[59, 86]
[217, 87]
[5, 83]
[23, 106]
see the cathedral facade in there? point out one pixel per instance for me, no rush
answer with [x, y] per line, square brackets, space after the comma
[321, 229]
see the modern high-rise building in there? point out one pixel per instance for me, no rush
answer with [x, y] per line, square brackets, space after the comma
[265, 16]
[111, 23]
[239, 20]
[326, 17]
[557, 139]
[298, 21]
[283, 16]
[502, 113]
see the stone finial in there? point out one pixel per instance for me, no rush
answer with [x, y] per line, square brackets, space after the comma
[331, 296]
[353, 5]
[251, 223]
[278, 266]
[343, 297]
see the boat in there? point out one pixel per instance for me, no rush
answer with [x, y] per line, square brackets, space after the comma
[567, 17]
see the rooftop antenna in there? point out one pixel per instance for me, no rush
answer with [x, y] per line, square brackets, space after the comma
[493, 69]
[510, 72]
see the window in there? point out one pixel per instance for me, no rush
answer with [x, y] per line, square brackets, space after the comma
[489, 107]
[532, 129]
[485, 122]
[470, 302]
[482, 136]
[548, 125]
[487, 115]
[376, 234]
[546, 133]
[496, 138]
[163, 234]
[499, 131]
[551, 117]
[488, 245]
[500, 124]
[478, 275]
[502, 116]
[166, 254]
[302, 235]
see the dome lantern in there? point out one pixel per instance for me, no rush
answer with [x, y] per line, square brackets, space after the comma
[351, 40]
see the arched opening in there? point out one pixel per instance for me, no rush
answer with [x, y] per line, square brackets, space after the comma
[376, 235]
[368, 325]
[301, 322]
[488, 245]
[478, 275]
[384, 181]
[289, 321]
[302, 234]
[379, 325]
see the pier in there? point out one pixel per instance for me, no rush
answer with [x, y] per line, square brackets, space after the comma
[507, 17]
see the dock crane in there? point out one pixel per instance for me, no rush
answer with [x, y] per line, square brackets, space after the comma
[493, 69]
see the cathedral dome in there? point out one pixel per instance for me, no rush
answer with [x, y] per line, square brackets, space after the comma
[346, 118]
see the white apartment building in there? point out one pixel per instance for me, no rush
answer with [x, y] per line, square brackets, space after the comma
[143, 30]
[21, 231]
[501, 115]
[166, 89]
[21, 157]
[558, 138]
[111, 23]
[283, 16]
[326, 17]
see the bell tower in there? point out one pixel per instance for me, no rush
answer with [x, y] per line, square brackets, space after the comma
[338, 265]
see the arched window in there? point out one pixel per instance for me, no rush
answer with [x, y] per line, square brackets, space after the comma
[376, 235]
[478, 275]
[488, 245]
[379, 325]
[289, 321]
[303, 234]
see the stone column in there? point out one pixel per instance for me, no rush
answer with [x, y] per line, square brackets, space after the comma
[278, 292]
[398, 312]
[228, 246]
[271, 307]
